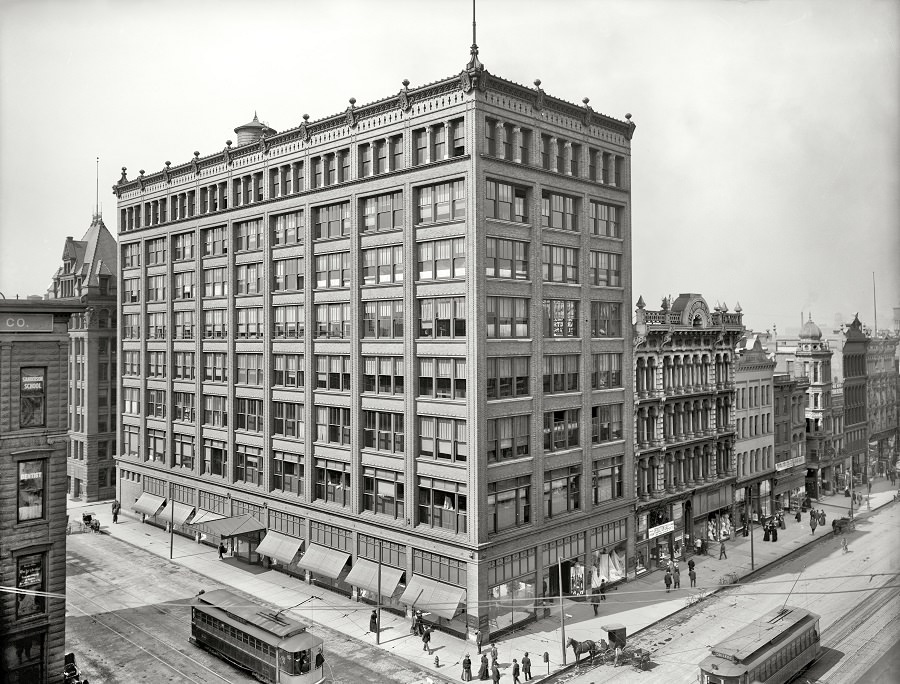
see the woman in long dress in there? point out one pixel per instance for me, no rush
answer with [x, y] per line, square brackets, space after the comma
[483, 670]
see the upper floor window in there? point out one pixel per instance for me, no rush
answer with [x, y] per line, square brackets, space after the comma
[607, 371]
[248, 414]
[608, 483]
[383, 319]
[443, 438]
[606, 423]
[289, 322]
[560, 264]
[383, 212]
[333, 425]
[184, 325]
[604, 220]
[333, 320]
[442, 378]
[333, 270]
[383, 431]
[248, 235]
[215, 241]
[606, 269]
[131, 256]
[287, 229]
[215, 323]
[561, 373]
[333, 373]
[560, 318]
[131, 290]
[509, 504]
[507, 317]
[442, 317]
[606, 319]
[562, 491]
[382, 265]
[215, 283]
[441, 259]
[383, 374]
[156, 251]
[562, 429]
[442, 202]
[559, 211]
[442, 505]
[250, 323]
[287, 274]
[508, 437]
[249, 278]
[505, 201]
[250, 369]
[332, 221]
[184, 285]
[183, 246]
[288, 370]
[156, 288]
[507, 377]
[32, 397]
[506, 259]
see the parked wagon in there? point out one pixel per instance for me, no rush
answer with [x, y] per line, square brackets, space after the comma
[842, 525]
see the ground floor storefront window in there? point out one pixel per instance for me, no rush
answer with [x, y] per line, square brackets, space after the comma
[608, 555]
[659, 538]
[564, 567]
[513, 590]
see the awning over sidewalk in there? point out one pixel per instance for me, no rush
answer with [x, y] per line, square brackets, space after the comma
[435, 597]
[279, 546]
[324, 561]
[365, 576]
[149, 504]
[790, 482]
[234, 527]
[181, 512]
[203, 516]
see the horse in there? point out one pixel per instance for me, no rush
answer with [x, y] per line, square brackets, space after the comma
[580, 647]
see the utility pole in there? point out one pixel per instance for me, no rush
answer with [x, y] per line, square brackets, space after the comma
[172, 521]
[750, 522]
[562, 612]
[378, 598]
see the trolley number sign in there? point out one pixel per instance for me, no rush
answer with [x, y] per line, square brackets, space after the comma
[26, 322]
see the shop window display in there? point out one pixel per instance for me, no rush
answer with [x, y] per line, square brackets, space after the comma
[511, 602]
[608, 564]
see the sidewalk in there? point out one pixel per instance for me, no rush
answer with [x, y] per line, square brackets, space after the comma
[637, 604]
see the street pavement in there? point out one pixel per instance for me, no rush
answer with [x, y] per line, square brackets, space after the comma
[636, 604]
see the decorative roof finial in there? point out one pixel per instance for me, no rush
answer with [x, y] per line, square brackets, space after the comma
[474, 62]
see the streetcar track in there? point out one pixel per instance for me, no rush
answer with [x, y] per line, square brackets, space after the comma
[97, 618]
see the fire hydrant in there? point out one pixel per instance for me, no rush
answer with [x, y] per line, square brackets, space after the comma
[437, 661]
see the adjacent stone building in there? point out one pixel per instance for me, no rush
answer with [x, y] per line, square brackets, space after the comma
[394, 333]
[684, 427]
[790, 441]
[34, 343]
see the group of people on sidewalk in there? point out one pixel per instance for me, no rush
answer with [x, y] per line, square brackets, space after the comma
[492, 671]
[672, 578]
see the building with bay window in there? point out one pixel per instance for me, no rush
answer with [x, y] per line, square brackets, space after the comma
[399, 334]
[684, 418]
[34, 352]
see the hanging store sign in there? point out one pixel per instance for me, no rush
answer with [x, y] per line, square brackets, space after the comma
[665, 528]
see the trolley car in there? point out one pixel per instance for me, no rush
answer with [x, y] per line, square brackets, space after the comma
[772, 649]
[271, 647]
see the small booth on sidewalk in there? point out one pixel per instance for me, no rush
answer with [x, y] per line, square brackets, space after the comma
[238, 528]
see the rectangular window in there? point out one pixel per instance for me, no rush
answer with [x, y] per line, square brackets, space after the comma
[443, 317]
[30, 577]
[183, 246]
[155, 441]
[215, 283]
[287, 476]
[215, 458]
[562, 491]
[382, 265]
[442, 378]
[287, 275]
[183, 451]
[184, 366]
[250, 323]
[156, 326]
[441, 259]
[383, 319]
[561, 373]
[606, 319]
[607, 371]
[443, 439]
[333, 482]
[131, 400]
[508, 437]
[288, 229]
[562, 429]
[606, 423]
[248, 278]
[383, 212]
[560, 318]
[184, 325]
[32, 493]
[215, 324]
[289, 322]
[443, 202]
[288, 419]
[607, 480]
[439, 567]
[32, 397]
[333, 425]
[215, 411]
[507, 377]
[383, 494]
[156, 403]
[560, 264]
[156, 288]
[383, 375]
[509, 504]
[606, 269]
[215, 367]
[506, 202]
[333, 373]
[332, 221]
[604, 220]
[383, 431]
[131, 290]
[131, 255]
[420, 147]
[559, 211]
[248, 235]
[215, 241]
[131, 363]
[131, 326]
[333, 270]
[458, 132]
[184, 285]
[442, 504]
[288, 370]
[248, 464]
[184, 407]
[507, 317]
[506, 259]
[248, 414]
[333, 321]
[250, 369]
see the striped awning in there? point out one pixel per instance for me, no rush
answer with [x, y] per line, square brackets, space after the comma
[149, 504]
[432, 596]
[324, 561]
[181, 512]
[279, 546]
[364, 575]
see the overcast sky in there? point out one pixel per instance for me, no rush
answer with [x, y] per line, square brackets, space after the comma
[765, 164]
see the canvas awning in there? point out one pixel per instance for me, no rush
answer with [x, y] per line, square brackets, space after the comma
[181, 512]
[324, 561]
[279, 546]
[790, 482]
[365, 576]
[149, 504]
[435, 597]
[204, 516]
[234, 527]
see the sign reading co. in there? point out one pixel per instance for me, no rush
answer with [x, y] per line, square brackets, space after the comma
[26, 322]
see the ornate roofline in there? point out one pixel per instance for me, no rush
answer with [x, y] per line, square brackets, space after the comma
[403, 101]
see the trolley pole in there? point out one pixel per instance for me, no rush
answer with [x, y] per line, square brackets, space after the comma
[172, 521]
[750, 523]
[562, 613]
[378, 599]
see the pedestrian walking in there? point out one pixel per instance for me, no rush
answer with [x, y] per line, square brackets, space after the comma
[419, 626]
[222, 550]
[668, 580]
[774, 532]
[691, 564]
[822, 518]
[797, 517]
[495, 673]
[493, 651]
[698, 546]
[483, 670]
[693, 576]
[515, 672]
[479, 638]
[834, 528]
[844, 548]
[813, 521]
[115, 511]
[467, 669]
[426, 641]
[722, 553]
[595, 599]
[526, 667]
[373, 622]
[870, 487]
[603, 589]
[676, 577]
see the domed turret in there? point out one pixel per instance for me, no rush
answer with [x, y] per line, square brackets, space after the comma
[810, 331]
[252, 132]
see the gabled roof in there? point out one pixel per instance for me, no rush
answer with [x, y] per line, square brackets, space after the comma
[94, 255]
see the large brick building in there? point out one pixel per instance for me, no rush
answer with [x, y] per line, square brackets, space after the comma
[34, 342]
[88, 276]
[790, 441]
[684, 427]
[396, 332]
